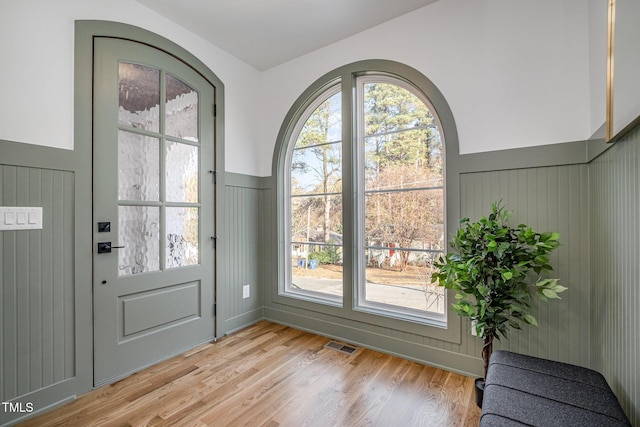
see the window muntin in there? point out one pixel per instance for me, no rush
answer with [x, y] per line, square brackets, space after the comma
[158, 169]
[314, 214]
[401, 213]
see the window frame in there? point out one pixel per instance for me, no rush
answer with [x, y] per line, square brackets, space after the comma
[320, 97]
[360, 301]
[303, 305]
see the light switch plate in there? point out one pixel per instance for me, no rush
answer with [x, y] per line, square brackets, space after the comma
[20, 218]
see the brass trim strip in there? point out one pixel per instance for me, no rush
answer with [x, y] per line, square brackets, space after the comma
[610, 53]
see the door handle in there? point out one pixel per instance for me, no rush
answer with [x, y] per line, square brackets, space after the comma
[105, 247]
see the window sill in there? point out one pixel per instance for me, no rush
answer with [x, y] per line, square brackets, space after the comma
[313, 297]
[434, 320]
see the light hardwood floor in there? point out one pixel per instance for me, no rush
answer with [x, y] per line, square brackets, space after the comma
[273, 375]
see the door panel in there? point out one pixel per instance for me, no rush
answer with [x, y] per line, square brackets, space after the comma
[153, 149]
[140, 311]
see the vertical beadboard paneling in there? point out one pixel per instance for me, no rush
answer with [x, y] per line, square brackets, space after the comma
[244, 211]
[36, 273]
[547, 199]
[615, 269]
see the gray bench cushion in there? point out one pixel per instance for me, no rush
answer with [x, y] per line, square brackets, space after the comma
[525, 390]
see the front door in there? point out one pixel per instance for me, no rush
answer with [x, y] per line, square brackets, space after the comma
[153, 207]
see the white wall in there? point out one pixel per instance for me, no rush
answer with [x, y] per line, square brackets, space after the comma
[597, 64]
[515, 73]
[36, 72]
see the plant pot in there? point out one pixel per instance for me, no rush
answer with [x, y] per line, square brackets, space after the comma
[479, 391]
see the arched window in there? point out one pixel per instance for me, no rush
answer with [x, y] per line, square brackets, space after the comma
[363, 177]
[314, 202]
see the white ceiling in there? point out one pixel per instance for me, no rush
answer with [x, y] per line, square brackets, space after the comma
[266, 33]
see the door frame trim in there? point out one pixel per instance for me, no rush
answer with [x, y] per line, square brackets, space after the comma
[85, 32]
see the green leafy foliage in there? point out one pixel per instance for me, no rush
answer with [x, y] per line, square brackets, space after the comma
[488, 269]
[327, 255]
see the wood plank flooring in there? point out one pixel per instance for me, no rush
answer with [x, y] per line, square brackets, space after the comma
[272, 375]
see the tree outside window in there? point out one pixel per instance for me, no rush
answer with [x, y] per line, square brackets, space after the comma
[400, 185]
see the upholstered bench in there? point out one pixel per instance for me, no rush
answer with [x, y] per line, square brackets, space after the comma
[524, 390]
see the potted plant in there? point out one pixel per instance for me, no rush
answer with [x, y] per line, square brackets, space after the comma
[489, 267]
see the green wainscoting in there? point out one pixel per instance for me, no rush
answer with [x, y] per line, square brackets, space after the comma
[595, 206]
[547, 188]
[36, 273]
[45, 355]
[615, 269]
[242, 244]
[547, 199]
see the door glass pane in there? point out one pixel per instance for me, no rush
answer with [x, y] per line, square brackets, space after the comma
[182, 237]
[182, 172]
[181, 110]
[139, 96]
[139, 233]
[138, 167]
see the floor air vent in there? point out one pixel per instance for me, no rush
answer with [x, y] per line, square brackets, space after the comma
[340, 347]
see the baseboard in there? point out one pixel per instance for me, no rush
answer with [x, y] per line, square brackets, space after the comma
[242, 321]
[40, 401]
